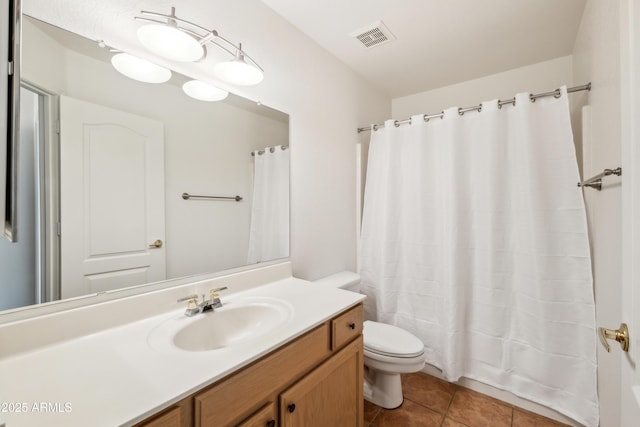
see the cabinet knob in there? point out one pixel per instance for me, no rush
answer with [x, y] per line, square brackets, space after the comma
[271, 423]
[291, 407]
[352, 326]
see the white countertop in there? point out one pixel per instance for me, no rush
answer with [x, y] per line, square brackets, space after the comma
[114, 377]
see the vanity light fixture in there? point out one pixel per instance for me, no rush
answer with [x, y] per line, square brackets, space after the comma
[237, 71]
[170, 42]
[140, 69]
[180, 40]
[203, 91]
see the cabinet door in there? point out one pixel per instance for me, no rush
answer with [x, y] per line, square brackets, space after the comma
[331, 395]
[178, 415]
[265, 417]
[170, 418]
[233, 399]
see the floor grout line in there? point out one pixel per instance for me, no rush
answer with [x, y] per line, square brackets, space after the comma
[445, 412]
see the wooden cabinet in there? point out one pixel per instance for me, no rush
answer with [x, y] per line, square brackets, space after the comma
[316, 380]
[177, 415]
[265, 417]
[230, 401]
[170, 418]
[331, 395]
[346, 327]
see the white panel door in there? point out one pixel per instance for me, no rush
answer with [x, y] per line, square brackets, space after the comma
[111, 198]
[630, 120]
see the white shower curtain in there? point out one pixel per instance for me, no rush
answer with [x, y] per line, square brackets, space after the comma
[474, 238]
[269, 231]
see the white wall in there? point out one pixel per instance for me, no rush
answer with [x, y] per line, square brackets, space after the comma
[596, 58]
[541, 77]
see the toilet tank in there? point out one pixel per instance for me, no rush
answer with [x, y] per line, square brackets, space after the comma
[347, 280]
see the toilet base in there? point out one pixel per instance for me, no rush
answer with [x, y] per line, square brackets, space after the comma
[383, 389]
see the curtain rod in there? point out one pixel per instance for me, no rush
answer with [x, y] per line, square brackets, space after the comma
[556, 93]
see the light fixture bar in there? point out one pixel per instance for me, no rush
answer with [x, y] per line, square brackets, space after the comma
[172, 16]
[203, 35]
[238, 50]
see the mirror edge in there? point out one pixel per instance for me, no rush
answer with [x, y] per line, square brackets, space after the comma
[10, 48]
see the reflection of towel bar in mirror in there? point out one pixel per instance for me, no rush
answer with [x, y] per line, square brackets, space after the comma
[188, 196]
[596, 181]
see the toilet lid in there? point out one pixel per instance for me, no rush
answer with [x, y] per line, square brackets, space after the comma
[390, 340]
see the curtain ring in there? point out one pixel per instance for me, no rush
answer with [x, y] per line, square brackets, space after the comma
[425, 118]
[479, 108]
[442, 115]
[532, 98]
[558, 93]
[396, 123]
[460, 112]
[272, 149]
[499, 105]
[375, 127]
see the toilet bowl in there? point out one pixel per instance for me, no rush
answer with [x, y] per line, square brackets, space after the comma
[388, 351]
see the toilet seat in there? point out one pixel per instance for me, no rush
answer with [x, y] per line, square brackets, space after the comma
[390, 341]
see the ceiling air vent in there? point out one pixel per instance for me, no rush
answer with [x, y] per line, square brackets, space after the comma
[373, 35]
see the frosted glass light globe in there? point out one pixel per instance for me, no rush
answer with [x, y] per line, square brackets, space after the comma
[140, 69]
[238, 72]
[170, 43]
[204, 91]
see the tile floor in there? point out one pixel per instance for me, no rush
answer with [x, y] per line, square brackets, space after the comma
[432, 402]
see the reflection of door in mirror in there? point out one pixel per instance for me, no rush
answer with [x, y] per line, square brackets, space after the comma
[112, 198]
[20, 268]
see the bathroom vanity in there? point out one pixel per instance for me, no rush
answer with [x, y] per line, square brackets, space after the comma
[315, 380]
[121, 363]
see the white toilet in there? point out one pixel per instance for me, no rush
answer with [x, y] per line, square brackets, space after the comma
[388, 351]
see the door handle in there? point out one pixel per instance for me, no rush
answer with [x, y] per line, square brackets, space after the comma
[156, 244]
[621, 335]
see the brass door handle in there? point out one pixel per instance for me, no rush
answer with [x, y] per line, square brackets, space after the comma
[156, 244]
[621, 335]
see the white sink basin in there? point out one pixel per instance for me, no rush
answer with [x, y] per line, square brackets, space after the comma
[237, 322]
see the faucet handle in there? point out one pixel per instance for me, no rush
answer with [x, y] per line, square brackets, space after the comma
[189, 298]
[214, 297]
[193, 301]
[192, 306]
[215, 293]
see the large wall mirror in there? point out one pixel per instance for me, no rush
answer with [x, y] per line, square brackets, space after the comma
[104, 162]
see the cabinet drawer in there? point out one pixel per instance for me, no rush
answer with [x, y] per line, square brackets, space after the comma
[265, 417]
[170, 418]
[346, 327]
[233, 399]
[180, 414]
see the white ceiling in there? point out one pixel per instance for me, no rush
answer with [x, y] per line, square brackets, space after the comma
[439, 42]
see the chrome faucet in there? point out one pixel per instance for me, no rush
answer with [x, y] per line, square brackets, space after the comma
[193, 307]
[214, 297]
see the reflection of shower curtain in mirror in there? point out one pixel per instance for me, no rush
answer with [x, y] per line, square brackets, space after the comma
[269, 234]
[474, 238]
